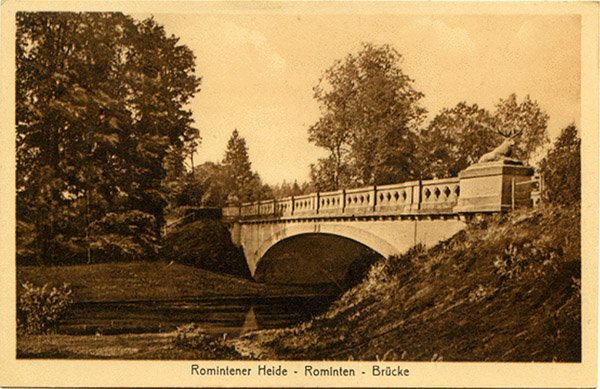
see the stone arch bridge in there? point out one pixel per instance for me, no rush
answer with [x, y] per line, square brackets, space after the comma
[387, 219]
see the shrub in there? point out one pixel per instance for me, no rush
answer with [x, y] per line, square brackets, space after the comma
[205, 244]
[40, 308]
[192, 336]
[397, 266]
[125, 236]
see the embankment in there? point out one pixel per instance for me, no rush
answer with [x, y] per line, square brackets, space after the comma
[507, 288]
[147, 280]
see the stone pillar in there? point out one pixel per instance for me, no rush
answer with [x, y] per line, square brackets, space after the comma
[492, 187]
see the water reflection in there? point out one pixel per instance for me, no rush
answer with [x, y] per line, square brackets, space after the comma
[232, 315]
[250, 323]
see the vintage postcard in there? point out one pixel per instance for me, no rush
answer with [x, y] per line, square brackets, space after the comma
[280, 193]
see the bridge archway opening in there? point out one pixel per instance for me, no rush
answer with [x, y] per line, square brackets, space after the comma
[316, 258]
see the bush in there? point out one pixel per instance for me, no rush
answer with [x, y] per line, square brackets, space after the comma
[205, 244]
[125, 236]
[192, 336]
[40, 308]
[397, 266]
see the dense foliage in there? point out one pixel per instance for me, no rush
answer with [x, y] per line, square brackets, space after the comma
[40, 308]
[458, 137]
[101, 118]
[561, 169]
[205, 244]
[217, 184]
[455, 139]
[526, 120]
[369, 117]
[371, 122]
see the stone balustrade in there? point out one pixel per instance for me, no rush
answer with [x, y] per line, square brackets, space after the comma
[389, 219]
[231, 212]
[484, 187]
[434, 193]
[414, 197]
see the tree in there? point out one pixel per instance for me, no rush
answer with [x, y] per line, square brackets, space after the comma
[100, 104]
[236, 159]
[526, 118]
[458, 137]
[241, 183]
[333, 136]
[202, 187]
[455, 139]
[369, 118]
[237, 167]
[286, 189]
[329, 175]
[561, 169]
[215, 185]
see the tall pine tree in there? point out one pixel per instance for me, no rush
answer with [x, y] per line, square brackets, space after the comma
[236, 160]
[242, 184]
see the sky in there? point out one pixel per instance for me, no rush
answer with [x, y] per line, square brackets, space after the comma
[258, 72]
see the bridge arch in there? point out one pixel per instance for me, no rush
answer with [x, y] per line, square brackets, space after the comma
[286, 231]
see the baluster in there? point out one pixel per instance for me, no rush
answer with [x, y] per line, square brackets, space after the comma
[374, 197]
[318, 196]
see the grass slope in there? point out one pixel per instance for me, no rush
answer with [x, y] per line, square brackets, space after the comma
[505, 289]
[135, 281]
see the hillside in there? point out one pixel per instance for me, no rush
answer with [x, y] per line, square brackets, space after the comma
[146, 280]
[507, 288]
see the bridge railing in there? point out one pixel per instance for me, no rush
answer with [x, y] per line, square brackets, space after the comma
[284, 206]
[331, 202]
[438, 195]
[398, 197]
[231, 212]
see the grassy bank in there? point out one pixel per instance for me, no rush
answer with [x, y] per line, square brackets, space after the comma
[126, 346]
[205, 244]
[505, 289]
[143, 281]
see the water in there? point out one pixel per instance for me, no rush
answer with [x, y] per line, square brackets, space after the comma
[231, 315]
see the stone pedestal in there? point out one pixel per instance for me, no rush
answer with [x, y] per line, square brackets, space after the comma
[493, 187]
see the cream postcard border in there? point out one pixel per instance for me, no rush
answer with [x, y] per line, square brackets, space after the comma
[89, 373]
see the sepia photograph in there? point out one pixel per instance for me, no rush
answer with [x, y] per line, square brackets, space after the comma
[316, 194]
